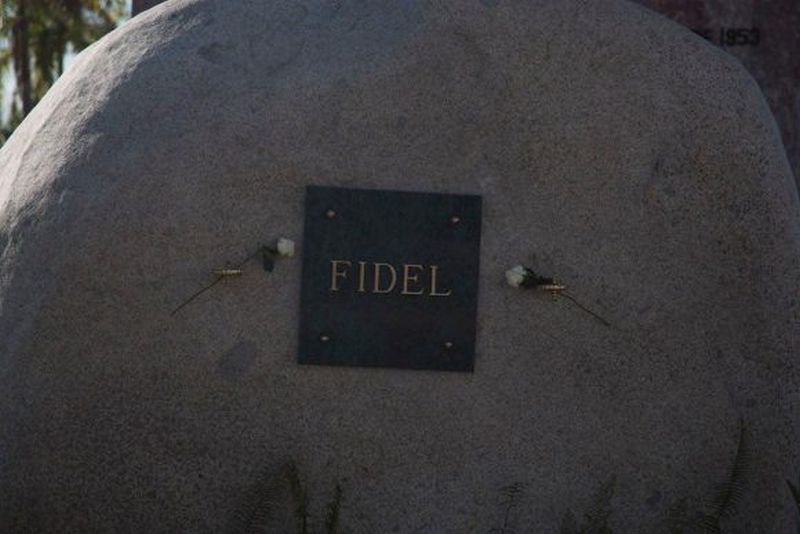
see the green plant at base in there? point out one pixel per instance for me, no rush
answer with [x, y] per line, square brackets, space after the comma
[334, 507]
[796, 495]
[598, 516]
[677, 519]
[731, 492]
[258, 506]
[261, 503]
[511, 495]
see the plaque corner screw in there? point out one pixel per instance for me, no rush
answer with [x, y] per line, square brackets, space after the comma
[455, 219]
[330, 214]
[448, 344]
[324, 338]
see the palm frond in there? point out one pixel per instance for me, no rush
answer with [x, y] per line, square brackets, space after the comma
[334, 508]
[258, 504]
[795, 493]
[600, 511]
[569, 525]
[598, 515]
[709, 523]
[730, 493]
[677, 519]
[511, 495]
[299, 497]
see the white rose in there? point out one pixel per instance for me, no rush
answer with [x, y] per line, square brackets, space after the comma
[285, 247]
[516, 276]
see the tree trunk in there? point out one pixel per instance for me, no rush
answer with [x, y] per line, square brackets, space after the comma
[22, 57]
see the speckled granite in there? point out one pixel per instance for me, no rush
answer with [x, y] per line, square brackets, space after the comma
[765, 37]
[768, 49]
[611, 147]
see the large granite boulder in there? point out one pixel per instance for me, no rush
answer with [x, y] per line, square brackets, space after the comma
[610, 146]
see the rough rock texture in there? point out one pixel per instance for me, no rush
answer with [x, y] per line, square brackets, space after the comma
[611, 147]
[768, 49]
[769, 52]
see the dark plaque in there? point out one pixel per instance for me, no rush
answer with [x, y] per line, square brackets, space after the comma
[390, 279]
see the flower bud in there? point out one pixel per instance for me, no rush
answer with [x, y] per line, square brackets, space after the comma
[516, 276]
[285, 247]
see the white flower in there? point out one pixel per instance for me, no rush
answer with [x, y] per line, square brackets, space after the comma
[516, 276]
[285, 247]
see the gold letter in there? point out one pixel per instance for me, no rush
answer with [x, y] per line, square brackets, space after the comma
[335, 273]
[410, 278]
[433, 293]
[362, 271]
[375, 288]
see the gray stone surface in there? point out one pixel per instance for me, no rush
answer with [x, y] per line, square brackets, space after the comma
[611, 147]
[773, 62]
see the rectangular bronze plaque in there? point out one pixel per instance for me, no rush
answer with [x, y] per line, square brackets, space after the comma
[390, 279]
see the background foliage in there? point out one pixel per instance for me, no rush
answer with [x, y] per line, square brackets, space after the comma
[36, 36]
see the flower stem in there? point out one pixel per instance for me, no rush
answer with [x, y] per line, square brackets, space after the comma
[584, 308]
[219, 277]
